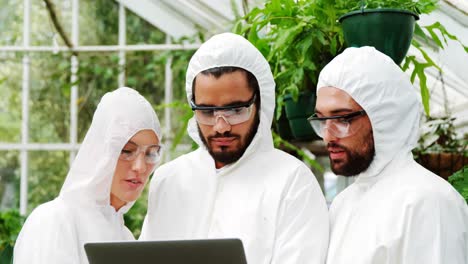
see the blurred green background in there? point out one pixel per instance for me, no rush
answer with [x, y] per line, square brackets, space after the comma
[50, 95]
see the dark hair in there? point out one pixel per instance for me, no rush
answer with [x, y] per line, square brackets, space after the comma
[219, 71]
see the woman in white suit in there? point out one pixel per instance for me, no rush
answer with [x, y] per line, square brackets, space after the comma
[121, 149]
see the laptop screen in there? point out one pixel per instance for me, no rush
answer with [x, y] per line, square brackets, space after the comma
[204, 251]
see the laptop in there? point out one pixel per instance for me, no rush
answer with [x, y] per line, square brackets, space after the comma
[204, 251]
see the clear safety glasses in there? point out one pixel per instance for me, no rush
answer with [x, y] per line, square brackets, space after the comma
[339, 126]
[235, 114]
[131, 151]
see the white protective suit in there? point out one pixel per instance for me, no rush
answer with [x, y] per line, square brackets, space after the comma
[268, 198]
[396, 212]
[56, 231]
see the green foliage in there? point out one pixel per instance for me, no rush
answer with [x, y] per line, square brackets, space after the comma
[183, 113]
[135, 216]
[438, 134]
[459, 181]
[46, 174]
[97, 74]
[298, 38]
[10, 226]
[434, 31]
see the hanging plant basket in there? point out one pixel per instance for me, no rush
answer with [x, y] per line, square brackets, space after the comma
[443, 164]
[388, 30]
[282, 127]
[297, 114]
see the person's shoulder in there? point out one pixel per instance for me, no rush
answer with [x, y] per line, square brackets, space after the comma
[48, 227]
[179, 166]
[413, 187]
[181, 160]
[52, 212]
[46, 220]
[419, 180]
[285, 158]
[285, 168]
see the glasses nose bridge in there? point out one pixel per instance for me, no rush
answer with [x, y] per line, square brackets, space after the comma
[220, 114]
[139, 150]
[337, 128]
[223, 117]
[139, 162]
[327, 124]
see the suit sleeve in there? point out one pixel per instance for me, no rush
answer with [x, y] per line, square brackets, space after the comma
[436, 230]
[46, 238]
[303, 223]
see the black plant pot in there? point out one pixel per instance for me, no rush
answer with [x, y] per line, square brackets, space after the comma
[282, 126]
[443, 164]
[388, 30]
[297, 113]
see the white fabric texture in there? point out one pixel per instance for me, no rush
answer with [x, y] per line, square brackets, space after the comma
[396, 211]
[268, 198]
[55, 232]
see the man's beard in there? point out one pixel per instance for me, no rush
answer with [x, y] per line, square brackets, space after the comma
[228, 157]
[357, 162]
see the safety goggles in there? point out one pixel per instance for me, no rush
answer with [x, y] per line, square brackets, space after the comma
[131, 151]
[234, 114]
[338, 126]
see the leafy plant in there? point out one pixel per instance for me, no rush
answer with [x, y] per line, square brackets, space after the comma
[459, 181]
[97, 74]
[440, 149]
[437, 32]
[438, 134]
[298, 38]
[10, 226]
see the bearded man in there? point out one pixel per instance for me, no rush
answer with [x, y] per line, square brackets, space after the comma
[236, 184]
[396, 211]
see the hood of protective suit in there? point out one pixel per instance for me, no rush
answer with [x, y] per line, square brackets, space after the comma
[385, 92]
[118, 117]
[228, 49]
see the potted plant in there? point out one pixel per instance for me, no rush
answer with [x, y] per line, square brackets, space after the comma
[386, 25]
[297, 111]
[298, 38]
[440, 149]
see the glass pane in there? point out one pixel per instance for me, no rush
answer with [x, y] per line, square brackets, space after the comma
[139, 31]
[145, 72]
[9, 180]
[43, 31]
[49, 98]
[98, 74]
[11, 25]
[46, 174]
[10, 100]
[99, 22]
